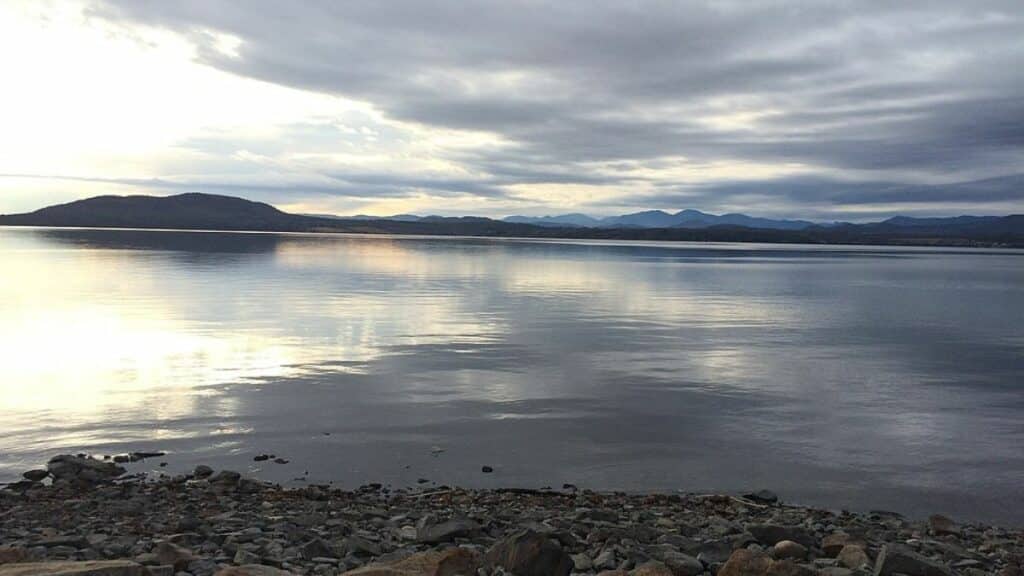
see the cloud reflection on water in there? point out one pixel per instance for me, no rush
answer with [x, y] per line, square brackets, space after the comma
[823, 374]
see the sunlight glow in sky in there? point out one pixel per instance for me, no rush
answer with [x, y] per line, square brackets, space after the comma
[831, 111]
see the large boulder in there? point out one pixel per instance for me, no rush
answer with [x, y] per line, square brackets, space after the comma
[744, 562]
[83, 468]
[169, 553]
[202, 471]
[833, 543]
[527, 553]
[682, 564]
[789, 549]
[898, 559]
[448, 562]
[852, 556]
[940, 525]
[90, 568]
[225, 477]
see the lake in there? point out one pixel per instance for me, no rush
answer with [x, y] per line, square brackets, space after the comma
[847, 377]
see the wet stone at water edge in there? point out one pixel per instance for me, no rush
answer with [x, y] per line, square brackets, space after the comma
[95, 521]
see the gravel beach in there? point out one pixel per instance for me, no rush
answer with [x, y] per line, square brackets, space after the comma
[85, 516]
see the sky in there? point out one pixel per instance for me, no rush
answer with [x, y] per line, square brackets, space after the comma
[852, 110]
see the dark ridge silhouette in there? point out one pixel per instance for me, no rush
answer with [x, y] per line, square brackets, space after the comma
[196, 211]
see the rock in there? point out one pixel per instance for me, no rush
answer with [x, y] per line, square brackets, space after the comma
[528, 553]
[162, 570]
[940, 525]
[789, 549]
[763, 496]
[852, 557]
[651, 569]
[598, 515]
[716, 551]
[682, 564]
[447, 531]
[202, 471]
[10, 555]
[448, 562]
[898, 559]
[487, 469]
[833, 543]
[225, 477]
[55, 541]
[788, 567]
[744, 562]
[89, 568]
[19, 486]
[174, 555]
[316, 548]
[252, 570]
[605, 560]
[582, 562]
[261, 458]
[244, 557]
[36, 475]
[360, 547]
[90, 470]
[835, 571]
[771, 534]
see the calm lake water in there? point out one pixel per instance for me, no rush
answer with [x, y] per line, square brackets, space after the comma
[841, 376]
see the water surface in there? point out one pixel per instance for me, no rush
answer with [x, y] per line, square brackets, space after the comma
[840, 376]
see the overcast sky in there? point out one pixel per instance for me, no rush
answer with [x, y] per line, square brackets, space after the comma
[847, 109]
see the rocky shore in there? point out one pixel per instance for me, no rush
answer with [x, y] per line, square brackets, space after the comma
[86, 517]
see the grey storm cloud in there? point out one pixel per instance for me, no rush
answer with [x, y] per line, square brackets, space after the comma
[810, 190]
[931, 89]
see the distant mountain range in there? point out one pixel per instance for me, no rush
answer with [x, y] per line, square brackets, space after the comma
[662, 219]
[196, 211]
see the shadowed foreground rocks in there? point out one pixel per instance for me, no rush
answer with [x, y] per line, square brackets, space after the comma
[84, 517]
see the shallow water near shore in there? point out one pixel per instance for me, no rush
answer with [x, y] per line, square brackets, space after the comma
[857, 377]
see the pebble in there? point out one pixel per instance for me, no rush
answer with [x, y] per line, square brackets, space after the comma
[201, 523]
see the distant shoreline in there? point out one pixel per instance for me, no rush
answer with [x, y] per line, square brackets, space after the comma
[225, 213]
[902, 243]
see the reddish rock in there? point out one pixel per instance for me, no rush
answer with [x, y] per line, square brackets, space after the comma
[852, 556]
[789, 549]
[448, 562]
[90, 568]
[9, 555]
[743, 562]
[528, 553]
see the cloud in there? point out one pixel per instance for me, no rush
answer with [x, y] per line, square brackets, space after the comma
[912, 96]
[818, 197]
